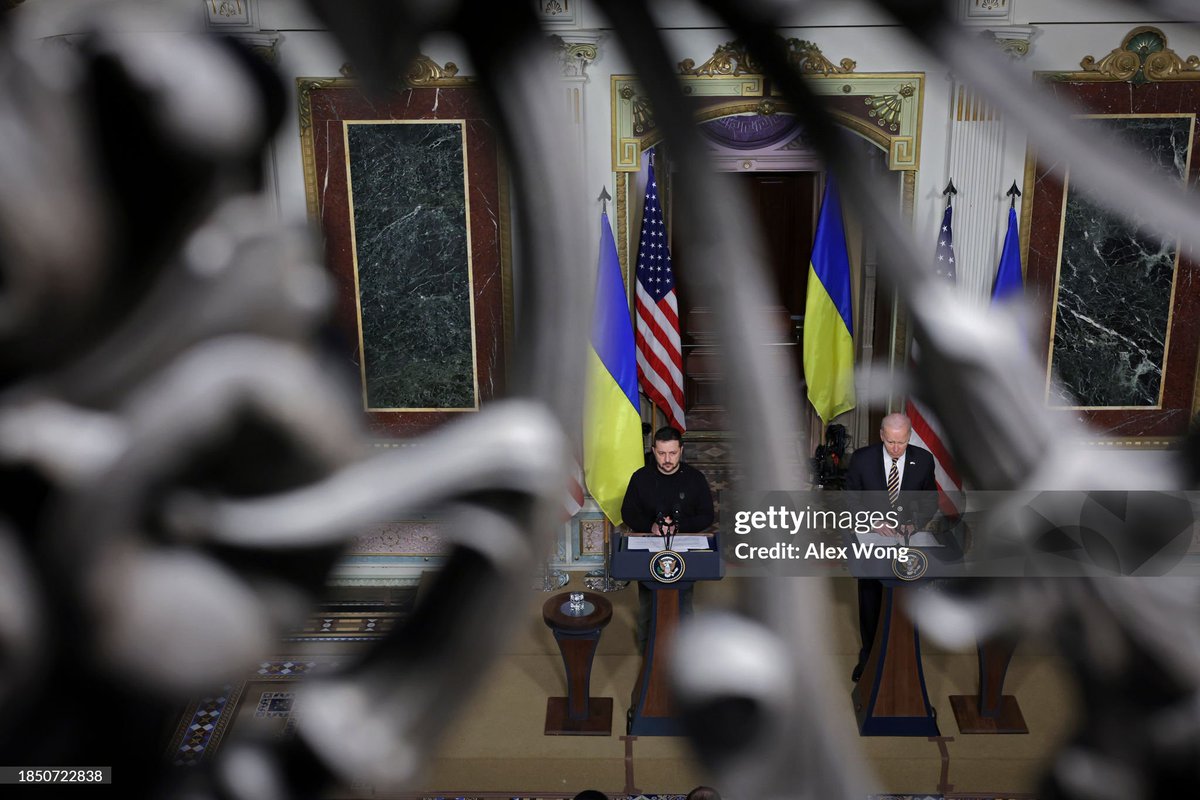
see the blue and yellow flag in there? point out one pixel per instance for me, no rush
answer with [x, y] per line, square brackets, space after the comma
[828, 319]
[612, 434]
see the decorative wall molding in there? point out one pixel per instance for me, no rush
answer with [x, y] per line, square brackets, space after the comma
[426, 71]
[590, 541]
[230, 15]
[1142, 57]
[576, 53]
[884, 108]
[984, 12]
[423, 72]
[559, 14]
[732, 59]
[1014, 40]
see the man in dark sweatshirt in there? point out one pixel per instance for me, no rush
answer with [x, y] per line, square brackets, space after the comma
[674, 490]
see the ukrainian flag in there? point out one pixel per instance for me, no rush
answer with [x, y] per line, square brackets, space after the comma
[828, 319]
[612, 438]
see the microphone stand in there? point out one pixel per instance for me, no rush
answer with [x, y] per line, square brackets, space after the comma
[669, 538]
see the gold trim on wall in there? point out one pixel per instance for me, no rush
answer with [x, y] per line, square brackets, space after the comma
[308, 157]
[1027, 205]
[1142, 57]
[900, 338]
[621, 206]
[732, 59]
[423, 72]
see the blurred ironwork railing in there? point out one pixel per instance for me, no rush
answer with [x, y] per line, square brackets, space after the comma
[181, 469]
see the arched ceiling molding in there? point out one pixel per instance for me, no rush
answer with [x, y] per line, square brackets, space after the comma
[885, 108]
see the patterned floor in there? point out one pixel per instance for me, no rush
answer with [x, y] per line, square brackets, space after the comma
[200, 730]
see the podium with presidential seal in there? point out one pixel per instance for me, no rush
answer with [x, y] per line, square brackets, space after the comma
[665, 571]
[890, 699]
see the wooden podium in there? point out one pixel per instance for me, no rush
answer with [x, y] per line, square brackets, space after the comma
[890, 699]
[651, 712]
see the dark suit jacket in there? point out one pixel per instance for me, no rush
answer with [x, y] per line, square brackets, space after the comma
[918, 488]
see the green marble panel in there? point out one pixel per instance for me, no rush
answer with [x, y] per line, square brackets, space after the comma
[412, 259]
[1114, 285]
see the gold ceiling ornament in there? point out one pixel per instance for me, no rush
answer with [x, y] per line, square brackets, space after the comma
[306, 86]
[885, 110]
[643, 115]
[1143, 57]
[766, 108]
[732, 58]
[1017, 48]
[810, 60]
[423, 70]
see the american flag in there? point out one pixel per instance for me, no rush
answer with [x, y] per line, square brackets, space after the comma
[944, 257]
[925, 432]
[659, 356]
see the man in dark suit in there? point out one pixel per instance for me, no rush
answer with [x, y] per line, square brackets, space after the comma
[900, 476]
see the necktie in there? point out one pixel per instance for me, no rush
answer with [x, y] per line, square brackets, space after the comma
[894, 483]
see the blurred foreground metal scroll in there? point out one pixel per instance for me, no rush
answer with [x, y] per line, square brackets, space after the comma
[182, 464]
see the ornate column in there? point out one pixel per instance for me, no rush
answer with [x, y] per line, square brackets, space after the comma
[576, 51]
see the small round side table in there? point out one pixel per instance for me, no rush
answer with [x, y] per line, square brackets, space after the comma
[577, 714]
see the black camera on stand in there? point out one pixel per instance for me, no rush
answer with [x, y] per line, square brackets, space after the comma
[829, 461]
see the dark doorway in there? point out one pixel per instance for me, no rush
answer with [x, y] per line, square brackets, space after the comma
[785, 205]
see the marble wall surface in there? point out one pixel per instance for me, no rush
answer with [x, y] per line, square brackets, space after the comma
[1119, 310]
[417, 326]
[1115, 285]
[408, 193]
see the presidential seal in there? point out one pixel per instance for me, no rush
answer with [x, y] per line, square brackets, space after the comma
[912, 567]
[667, 566]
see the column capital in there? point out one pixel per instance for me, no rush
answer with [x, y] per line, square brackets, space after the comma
[1013, 39]
[576, 51]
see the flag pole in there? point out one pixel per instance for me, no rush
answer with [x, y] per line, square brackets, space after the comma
[1013, 193]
